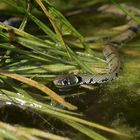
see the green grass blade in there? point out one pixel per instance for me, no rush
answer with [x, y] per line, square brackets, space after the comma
[47, 30]
[85, 130]
[126, 11]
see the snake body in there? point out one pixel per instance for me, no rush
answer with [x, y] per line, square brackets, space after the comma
[110, 52]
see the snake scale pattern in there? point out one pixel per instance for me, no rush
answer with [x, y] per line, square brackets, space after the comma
[110, 52]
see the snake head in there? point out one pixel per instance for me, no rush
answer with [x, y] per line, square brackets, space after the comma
[66, 81]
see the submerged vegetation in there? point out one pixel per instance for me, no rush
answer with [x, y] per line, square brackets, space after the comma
[47, 45]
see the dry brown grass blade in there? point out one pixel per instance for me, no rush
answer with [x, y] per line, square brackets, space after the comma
[40, 87]
[54, 26]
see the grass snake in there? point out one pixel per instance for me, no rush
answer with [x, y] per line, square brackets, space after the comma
[110, 52]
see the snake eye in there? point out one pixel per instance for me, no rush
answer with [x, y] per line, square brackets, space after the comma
[64, 82]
